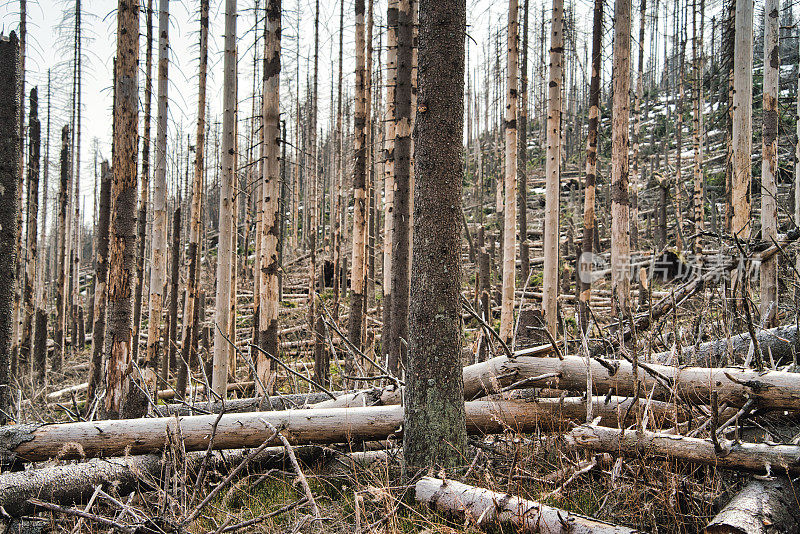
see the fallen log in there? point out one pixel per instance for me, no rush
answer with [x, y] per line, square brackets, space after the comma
[763, 506]
[251, 404]
[163, 394]
[484, 507]
[37, 442]
[754, 457]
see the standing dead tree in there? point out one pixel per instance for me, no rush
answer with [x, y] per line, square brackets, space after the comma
[742, 138]
[768, 273]
[61, 253]
[32, 211]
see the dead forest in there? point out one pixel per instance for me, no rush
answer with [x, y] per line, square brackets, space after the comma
[436, 266]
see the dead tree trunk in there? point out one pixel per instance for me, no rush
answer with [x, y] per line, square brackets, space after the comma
[435, 428]
[636, 176]
[620, 222]
[679, 145]
[697, 121]
[587, 245]
[169, 355]
[219, 378]
[312, 202]
[32, 210]
[522, 155]
[158, 241]
[61, 253]
[510, 203]
[101, 290]
[10, 158]
[742, 119]
[357, 270]
[40, 330]
[268, 307]
[190, 303]
[553, 171]
[768, 272]
[123, 200]
[761, 506]
[144, 186]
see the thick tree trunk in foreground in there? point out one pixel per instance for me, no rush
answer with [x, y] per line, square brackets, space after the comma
[763, 506]
[755, 457]
[32, 211]
[123, 199]
[768, 273]
[434, 428]
[510, 203]
[553, 171]
[101, 284]
[487, 507]
[742, 119]
[620, 222]
[10, 158]
[330, 425]
[222, 316]
[271, 216]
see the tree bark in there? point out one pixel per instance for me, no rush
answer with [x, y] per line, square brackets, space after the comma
[620, 198]
[268, 306]
[636, 176]
[225, 256]
[522, 155]
[169, 356]
[61, 253]
[434, 425]
[32, 211]
[487, 507]
[101, 288]
[742, 119]
[753, 457]
[697, 125]
[10, 161]
[123, 202]
[768, 272]
[761, 507]
[553, 171]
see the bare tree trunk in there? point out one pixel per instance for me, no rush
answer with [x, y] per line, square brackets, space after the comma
[435, 426]
[768, 273]
[144, 186]
[620, 224]
[169, 356]
[158, 246]
[679, 145]
[77, 316]
[190, 300]
[32, 210]
[338, 176]
[357, 270]
[553, 171]
[587, 246]
[123, 202]
[61, 254]
[101, 289]
[637, 129]
[762, 506]
[522, 155]
[697, 141]
[510, 204]
[313, 203]
[268, 312]
[742, 118]
[401, 231]
[40, 330]
[10, 160]
[388, 175]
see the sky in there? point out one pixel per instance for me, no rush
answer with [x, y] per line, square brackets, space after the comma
[51, 27]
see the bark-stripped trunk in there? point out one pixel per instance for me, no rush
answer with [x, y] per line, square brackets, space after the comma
[522, 155]
[742, 119]
[401, 260]
[78, 337]
[510, 204]
[101, 288]
[587, 245]
[388, 174]
[637, 129]
[761, 506]
[10, 160]
[312, 202]
[144, 186]
[679, 149]
[620, 223]
[357, 270]
[189, 336]
[61, 253]
[338, 176]
[222, 317]
[158, 241]
[32, 211]
[169, 359]
[268, 307]
[435, 428]
[123, 202]
[768, 273]
[553, 171]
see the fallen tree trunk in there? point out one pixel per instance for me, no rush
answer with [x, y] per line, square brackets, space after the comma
[763, 506]
[754, 457]
[252, 404]
[34, 442]
[484, 507]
